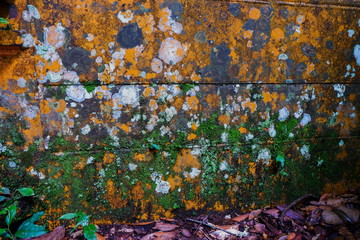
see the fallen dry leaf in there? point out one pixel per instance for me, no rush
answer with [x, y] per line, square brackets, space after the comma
[352, 213]
[99, 237]
[241, 218]
[142, 223]
[166, 227]
[330, 217]
[186, 233]
[160, 236]
[254, 213]
[226, 227]
[272, 212]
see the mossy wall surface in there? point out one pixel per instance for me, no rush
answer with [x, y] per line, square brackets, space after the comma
[133, 110]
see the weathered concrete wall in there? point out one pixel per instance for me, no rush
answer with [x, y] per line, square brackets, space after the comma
[140, 109]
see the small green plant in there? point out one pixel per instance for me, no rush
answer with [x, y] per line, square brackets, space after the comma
[9, 207]
[4, 20]
[82, 219]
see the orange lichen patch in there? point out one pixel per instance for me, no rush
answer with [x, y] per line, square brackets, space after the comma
[192, 102]
[342, 155]
[252, 168]
[113, 195]
[125, 127]
[149, 91]
[269, 97]
[254, 13]
[193, 205]
[195, 77]
[191, 136]
[72, 112]
[186, 160]
[174, 182]
[218, 206]
[243, 130]
[137, 192]
[248, 34]
[282, 97]
[251, 105]
[213, 100]
[61, 106]
[109, 158]
[277, 34]
[34, 131]
[194, 126]
[352, 97]
[224, 119]
[44, 106]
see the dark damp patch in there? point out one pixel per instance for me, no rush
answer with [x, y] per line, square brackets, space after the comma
[290, 29]
[113, 6]
[220, 64]
[261, 28]
[308, 50]
[284, 13]
[301, 67]
[130, 36]
[176, 8]
[77, 59]
[329, 45]
[325, 76]
[200, 37]
[234, 9]
[290, 66]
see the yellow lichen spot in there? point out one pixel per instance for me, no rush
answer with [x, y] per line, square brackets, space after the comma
[139, 157]
[254, 13]
[109, 158]
[191, 136]
[194, 126]
[243, 130]
[224, 119]
[277, 34]
[218, 206]
[252, 168]
[125, 127]
[269, 97]
[251, 105]
[185, 160]
[192, 102]
[213, 100]
[248, 34]
[174, 182]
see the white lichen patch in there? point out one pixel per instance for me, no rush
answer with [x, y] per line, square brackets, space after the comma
[272, 130]
[283, 114]
[172, 51]
[27, 40]
[357, 54]
[193, 173]
[38, 174]
[31, 12]
[156, 65]
[340, 88]
[153, 121]
[166, 23]
[76, 93]
[224, 166]
[132, 166]
[55, 35]
[170, 113]
[47, 52]
[305, 152]
[31, 112]
[224, 137]
[283, 56]
[341, 143]
[125, 16]
[71, 76]
[86, 129]
[351, 32]
[127, 95]
[161, 185]
[119, 55]
[264, 155]
[21, 82]
[53, 76]
[3, 148]
[305, 120]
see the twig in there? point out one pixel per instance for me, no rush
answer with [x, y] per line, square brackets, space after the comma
[212, 226]
[198, 227]
[296, 201]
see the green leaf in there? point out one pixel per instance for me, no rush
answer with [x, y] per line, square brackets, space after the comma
[35, 217]
[26, 192]
[68, 216]
[28, 229]
[11, 212]
[83, 219]
[2, 230]
[2, 211]
[89, 232]
[281, 160]
[3, 20]
[4, 190]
